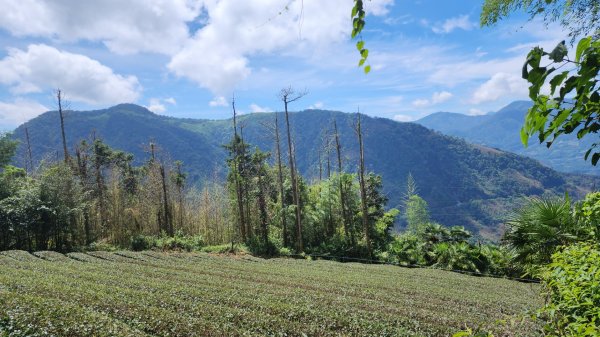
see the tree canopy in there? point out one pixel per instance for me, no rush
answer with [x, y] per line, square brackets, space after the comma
[8, 146]
[579, 17]
[572, 102]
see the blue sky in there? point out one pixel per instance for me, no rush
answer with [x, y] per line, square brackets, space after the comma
[185, 58]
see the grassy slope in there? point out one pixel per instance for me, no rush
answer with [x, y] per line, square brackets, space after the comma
[137, 294]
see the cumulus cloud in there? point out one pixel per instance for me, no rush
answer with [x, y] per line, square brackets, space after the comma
[41, 68]
[258, 108]
[19, 111]
[404, 118]
[317, 105]
[218, 101]
[459, 22]
[156, 106]
[436, 98]
[218, 56]
[124, 26]
[500, 85]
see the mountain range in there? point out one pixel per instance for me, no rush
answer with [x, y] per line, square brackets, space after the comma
[465, 184]
[501, 130]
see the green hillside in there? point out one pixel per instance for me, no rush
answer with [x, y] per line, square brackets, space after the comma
[465, 184]
[161, 294]
[501, 130]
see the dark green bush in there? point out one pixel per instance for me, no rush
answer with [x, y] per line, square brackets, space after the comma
[142, 242]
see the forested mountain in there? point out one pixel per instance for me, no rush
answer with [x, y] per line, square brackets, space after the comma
[464, 184]
[501, 130]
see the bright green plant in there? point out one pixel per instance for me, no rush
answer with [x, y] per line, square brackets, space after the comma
[573, 102]
[538, 228]
[587, 213]
[572, 282]
[7, 149]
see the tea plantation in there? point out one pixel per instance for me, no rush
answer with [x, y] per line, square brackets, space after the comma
[194, 294]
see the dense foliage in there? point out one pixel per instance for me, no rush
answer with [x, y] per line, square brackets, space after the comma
[195, 294]
[572, 283]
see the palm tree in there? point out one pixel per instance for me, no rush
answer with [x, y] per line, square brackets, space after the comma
[455, 256]
[538, 228]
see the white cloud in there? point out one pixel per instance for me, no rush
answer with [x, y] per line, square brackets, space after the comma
[41, 68]
[317, 105]
[170, 100]
[453, 72]
[156, 106]
[439, 97]
[123, 26]
[419, 103]
[257, 108]
[500, 85]
[378, 7]
[404, 118]
[218, 101]
[19, 111]
[459, 22]
[475, 112]
[436, 98]
[218, 56]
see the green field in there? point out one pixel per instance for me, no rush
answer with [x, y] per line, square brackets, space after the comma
[197, 294]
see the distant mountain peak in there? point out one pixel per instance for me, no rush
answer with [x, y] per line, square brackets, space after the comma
[130, 108]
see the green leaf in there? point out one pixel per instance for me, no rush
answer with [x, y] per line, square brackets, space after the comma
[367, 69]
[364, 53]
[595, 158]
[581, 47]
[524, 137]
[360, 44]
[557, 80]
[361, 62]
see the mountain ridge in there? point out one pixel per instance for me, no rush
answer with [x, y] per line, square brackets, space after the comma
[465, 184]
[501, 129]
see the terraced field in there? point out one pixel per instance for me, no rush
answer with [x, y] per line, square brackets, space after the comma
[159, 294]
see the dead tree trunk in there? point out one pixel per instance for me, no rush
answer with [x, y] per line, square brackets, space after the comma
[238, 187]
[363, 188]
[59, 98]
[30, 157]
[280, 181]
[288, 96]
[338, 148]
[167, 212]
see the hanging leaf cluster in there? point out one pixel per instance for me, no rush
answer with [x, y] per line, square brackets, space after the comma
[564, 93]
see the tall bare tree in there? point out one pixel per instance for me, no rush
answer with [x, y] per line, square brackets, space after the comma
[280, 182]
[287, 96]
[59, 100]
[363, 188]
[237, 182]
[338, 147]
[29, 156]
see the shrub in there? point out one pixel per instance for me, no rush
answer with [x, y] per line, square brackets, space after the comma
[177, 242]
[140, 242]
[225, 248]
[257, 246]
[102, 246]
[572, 282]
